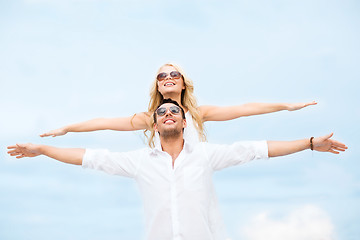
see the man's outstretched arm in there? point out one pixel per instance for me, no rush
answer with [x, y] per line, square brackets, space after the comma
[321, 144]
[66, 155]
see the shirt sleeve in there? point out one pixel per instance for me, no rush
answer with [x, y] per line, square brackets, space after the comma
[116, 163]
[222, 156]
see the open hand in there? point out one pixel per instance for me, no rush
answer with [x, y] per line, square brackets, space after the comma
[54, 133]
[325, 144]
[24, 150]
[297, 106]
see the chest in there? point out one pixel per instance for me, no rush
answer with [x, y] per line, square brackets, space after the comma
[190, 172]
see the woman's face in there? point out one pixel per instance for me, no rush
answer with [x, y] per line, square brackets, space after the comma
[169, 85]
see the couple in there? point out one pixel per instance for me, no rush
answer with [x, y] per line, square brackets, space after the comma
[175, 177]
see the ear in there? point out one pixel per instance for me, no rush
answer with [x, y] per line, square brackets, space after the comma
[184, 86]
[155, 127]
[184, 123]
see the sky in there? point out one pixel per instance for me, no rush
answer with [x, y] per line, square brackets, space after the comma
[68, 61]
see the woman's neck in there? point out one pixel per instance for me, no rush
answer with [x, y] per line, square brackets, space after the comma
[173, 96]
[176, 97]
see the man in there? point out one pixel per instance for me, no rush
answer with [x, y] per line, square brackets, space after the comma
[175, 178]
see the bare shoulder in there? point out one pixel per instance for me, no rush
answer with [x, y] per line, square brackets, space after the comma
[141, 120]
[205, 111]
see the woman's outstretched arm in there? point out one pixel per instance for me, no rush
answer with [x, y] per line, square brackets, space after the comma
[138, 121]
[217, 113]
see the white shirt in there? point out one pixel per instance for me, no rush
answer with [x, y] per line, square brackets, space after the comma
[180, 202]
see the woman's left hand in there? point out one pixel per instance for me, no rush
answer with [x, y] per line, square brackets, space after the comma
[298, 106]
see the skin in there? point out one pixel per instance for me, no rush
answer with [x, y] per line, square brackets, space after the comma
[173, 143]
[170, 128]
[141, 121]
[172, 91]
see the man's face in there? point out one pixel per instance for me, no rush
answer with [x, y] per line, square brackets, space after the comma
[169, 123]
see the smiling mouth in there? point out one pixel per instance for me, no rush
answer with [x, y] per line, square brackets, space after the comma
[169, 121]
[169, 84]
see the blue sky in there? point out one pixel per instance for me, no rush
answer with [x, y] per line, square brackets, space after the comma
[67, 61]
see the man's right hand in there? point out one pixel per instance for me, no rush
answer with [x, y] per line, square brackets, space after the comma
[24, 150]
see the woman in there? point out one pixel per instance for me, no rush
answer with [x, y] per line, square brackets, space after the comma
[172, 82]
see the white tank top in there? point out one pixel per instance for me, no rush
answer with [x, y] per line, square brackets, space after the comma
[190, 133]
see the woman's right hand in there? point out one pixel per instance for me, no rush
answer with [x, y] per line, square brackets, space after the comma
[55, 133]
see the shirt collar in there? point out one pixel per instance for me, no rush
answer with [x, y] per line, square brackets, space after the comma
[188, 147]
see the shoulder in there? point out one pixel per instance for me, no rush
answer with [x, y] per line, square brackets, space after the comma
[205, 111]
[142, 115]
[141, 120]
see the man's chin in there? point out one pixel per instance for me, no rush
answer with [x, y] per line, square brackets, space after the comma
[171, 133]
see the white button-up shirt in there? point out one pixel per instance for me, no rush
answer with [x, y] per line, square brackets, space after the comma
[179, 202]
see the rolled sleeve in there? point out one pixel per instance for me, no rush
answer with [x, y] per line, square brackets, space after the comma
[222, 156]
[116, 163]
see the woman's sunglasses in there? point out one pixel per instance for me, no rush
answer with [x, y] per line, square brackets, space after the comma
[162, 110]
[173, 74]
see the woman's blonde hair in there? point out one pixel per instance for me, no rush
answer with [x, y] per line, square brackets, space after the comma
[188, 101]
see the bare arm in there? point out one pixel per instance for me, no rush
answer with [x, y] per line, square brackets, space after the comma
[321, 144]
[138, 121]
[216, 113]
[66, 155]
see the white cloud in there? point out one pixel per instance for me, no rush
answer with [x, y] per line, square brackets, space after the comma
[305, 223]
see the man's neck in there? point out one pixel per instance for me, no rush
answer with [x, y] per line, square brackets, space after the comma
[173, 146]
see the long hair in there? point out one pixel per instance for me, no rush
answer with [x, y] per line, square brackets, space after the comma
[188, 100]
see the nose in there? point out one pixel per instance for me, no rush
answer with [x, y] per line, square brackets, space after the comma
[168, 112]
[168, 76]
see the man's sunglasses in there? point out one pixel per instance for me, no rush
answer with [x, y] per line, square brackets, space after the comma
[173, 74]
[162, 110]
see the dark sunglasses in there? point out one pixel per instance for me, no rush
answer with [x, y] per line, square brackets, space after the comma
[173, 74]
[162, 110]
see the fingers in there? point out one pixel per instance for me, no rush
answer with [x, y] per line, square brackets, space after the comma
[339, 149]
[15, 153]
[52, 133]
[14, 147]
[310, 103]
[46, 135]
[327, 136]
[333, 151]
[16, 150]
[339, 145]
[336, 148]
[298, 106]
[325, 144]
